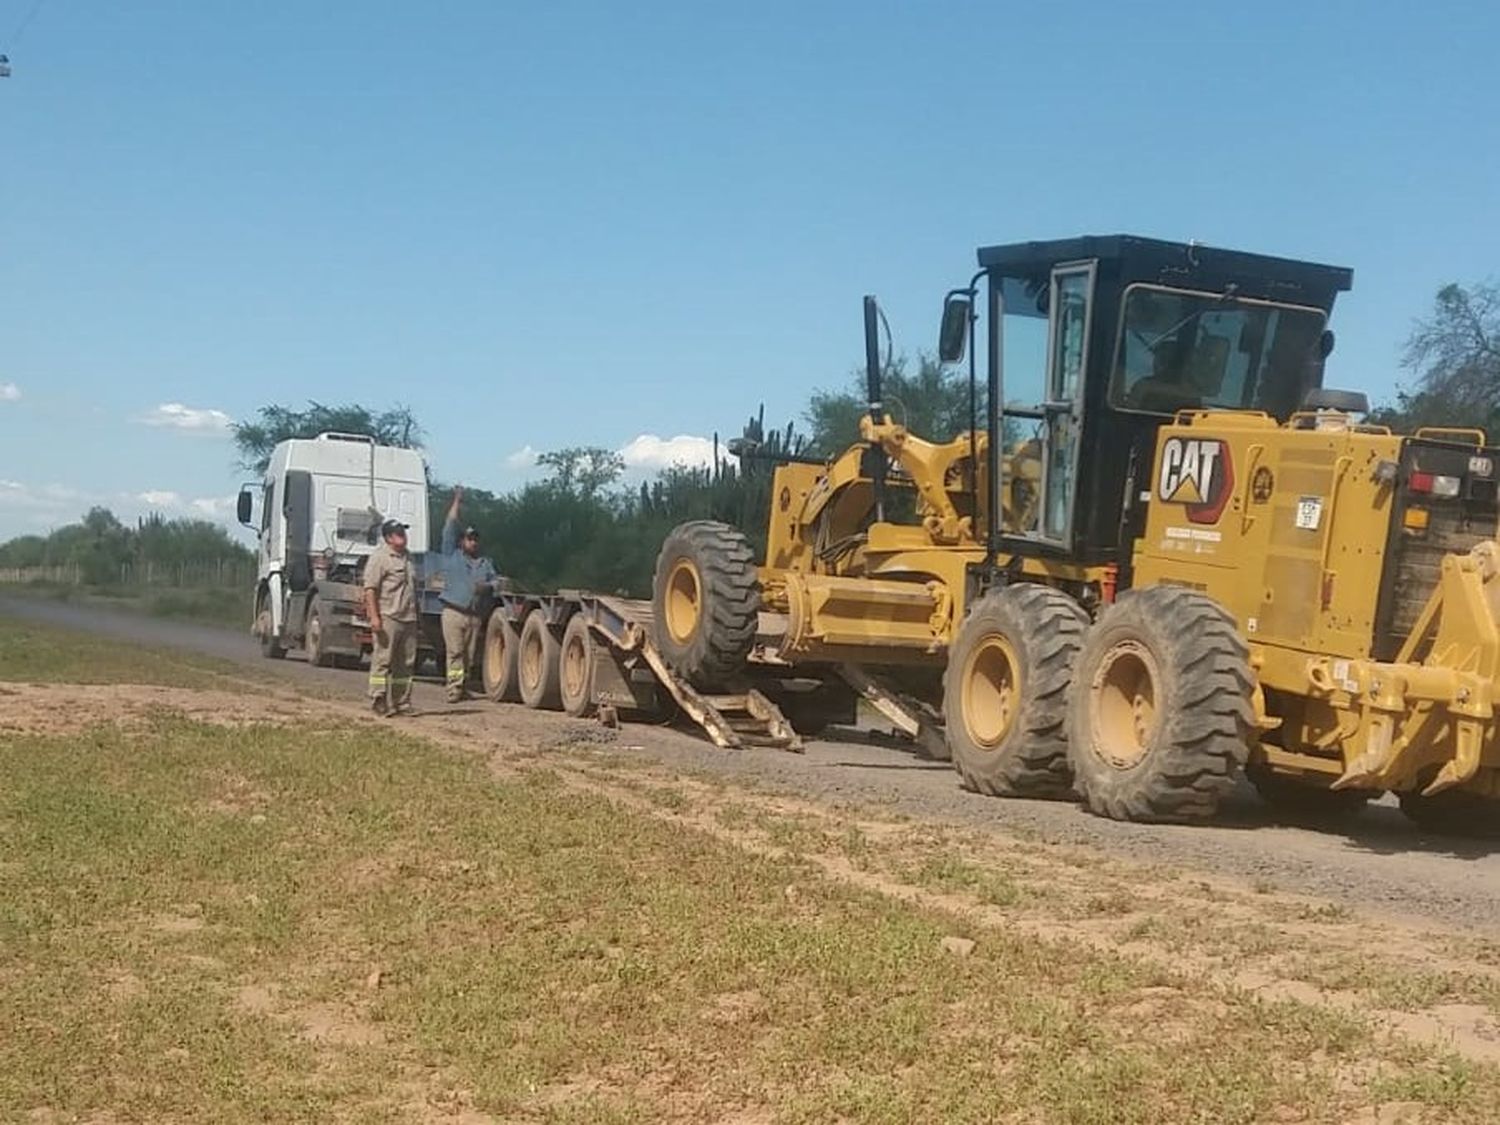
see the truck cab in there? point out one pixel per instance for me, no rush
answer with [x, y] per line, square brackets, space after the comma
[317, 513]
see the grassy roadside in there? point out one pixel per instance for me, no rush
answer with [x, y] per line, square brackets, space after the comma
[328, 923]
[48, 654]
[228, 609]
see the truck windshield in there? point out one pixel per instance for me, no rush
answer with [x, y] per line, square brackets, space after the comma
[1180, 350]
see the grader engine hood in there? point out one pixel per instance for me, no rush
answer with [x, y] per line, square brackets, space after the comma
[1363, 568]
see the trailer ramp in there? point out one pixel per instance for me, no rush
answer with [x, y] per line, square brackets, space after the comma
[732, 720]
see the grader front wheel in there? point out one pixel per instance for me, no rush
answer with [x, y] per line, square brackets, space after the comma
[705, 602]
[1005, 691]
[1160, 718]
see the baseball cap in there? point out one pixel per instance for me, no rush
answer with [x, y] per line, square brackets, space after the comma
[470, 532]
[390, 527]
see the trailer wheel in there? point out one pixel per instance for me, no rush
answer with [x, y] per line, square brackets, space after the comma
[313, 640]
[705, 602]
[1453, 813]
[537, 664]
[501, 644]
[1005, 692]
[1160, 719]
[576, 668]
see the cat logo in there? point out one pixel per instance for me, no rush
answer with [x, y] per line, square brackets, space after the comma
[1196, 472]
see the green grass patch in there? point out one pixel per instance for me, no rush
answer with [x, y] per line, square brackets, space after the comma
[41, 654]
[209, 924]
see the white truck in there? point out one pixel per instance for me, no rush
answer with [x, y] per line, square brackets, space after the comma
[322, 501]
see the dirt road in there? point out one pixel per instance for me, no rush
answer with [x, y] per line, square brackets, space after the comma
[1377, 862]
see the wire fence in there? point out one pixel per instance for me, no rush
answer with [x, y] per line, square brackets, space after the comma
[217, 574]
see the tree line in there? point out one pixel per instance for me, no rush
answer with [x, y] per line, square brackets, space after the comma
[581, 526]
[102, 551]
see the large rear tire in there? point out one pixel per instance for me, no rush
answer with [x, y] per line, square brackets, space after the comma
[537, 664]
[1161, 718]
[576, 667]
[501, 644]
[706, 602]
[1006, 688]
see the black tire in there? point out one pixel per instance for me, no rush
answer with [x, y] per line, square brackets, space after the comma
[1453, 813]
[1160, 720]
[1005, 692]
[269, 648]
[501, 644]
[576, 667]
[1298, 800]
[705, 602]
[312, 639]
[537, 665]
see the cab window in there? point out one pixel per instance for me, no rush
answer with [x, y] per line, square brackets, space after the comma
[1182, 350]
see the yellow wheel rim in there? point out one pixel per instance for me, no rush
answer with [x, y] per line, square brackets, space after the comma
[494, 650]
[684, 601]
[991, 690]
[531, 659]
[1125, 698]
[575, 667]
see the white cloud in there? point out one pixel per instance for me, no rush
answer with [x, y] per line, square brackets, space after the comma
[9, 392]
[176, 416]
[647, 451]
[214, 505]
[523, 458]
[159, 498]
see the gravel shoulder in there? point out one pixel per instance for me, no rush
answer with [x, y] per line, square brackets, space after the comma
[1377, 862]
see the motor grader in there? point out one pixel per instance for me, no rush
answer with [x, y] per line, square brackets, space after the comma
[1163, 554]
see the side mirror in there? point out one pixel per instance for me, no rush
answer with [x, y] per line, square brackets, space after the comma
[1325, 344]
[242, 507]
[953, 336]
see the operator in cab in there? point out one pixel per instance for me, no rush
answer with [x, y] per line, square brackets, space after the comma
[467, 580]
[391, 609]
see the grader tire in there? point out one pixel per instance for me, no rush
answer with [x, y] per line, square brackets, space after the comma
[1453, 813]
[501, 644]
[537, 664]
[576, 668]
[1006, 688]
[705, 602]
[1160, 718]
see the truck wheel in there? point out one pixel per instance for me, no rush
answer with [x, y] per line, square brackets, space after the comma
[1453, 813]
[1160, 718]
[313, 641]
[705, 602]
[1005, 692]
[1299, 800]
[576, 668]
[269, 648]
[537, 664]
[501, 644]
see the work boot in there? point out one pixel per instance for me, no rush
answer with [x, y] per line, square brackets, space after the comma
[405, 711]
[378, 706]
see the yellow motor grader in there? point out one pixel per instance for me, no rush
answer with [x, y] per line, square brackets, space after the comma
[1163, 554]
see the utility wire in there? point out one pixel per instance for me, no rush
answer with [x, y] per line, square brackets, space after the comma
[15, 36]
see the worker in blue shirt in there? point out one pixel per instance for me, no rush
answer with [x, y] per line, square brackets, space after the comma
[467, 578]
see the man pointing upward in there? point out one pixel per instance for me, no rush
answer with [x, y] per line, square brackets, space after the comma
[466, 579]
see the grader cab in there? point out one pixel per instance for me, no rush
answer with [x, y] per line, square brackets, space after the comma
[1162, 554]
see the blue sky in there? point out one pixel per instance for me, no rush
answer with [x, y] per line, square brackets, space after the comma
[560, 224]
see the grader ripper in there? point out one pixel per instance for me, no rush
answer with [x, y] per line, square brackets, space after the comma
[1187, 559]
